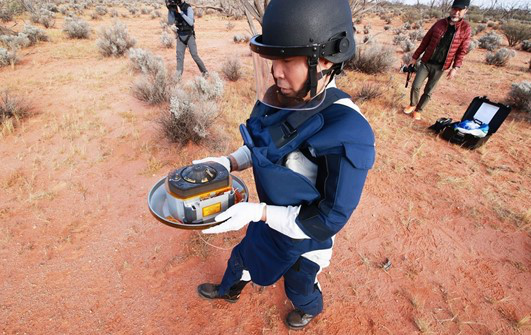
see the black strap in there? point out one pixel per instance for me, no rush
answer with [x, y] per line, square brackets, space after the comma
[187, 38]
[286, 131]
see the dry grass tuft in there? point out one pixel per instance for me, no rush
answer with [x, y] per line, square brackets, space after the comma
[368, 91]
[232, 69]
[422, 325]
[12, 111]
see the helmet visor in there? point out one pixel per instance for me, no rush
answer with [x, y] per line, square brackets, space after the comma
[289, 89]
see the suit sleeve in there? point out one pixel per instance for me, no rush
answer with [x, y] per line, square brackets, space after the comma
[189, 16]
[342, 188]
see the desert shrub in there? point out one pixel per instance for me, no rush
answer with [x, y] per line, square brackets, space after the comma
[493, 25]
[490, 41]
[374, 59]
[240, 38]
[153, 89]
[5, 15]
[192, 110]
[76, 28]
[229, 26]
[8, 57]
[520, 96]
[475, 17]
[10, 8]
[516, 32]
[100, 10]
[399, 39]
[189, 117]
[387, 27]
[432, 13]
[95, 16]
[132, 10]
[12, 110]
[199, 12]
[406, 26]
[144, 61]
[366, 29]
[480, 27]
[367, 39]
[14, 42]
[208, 88]
[115, 40]
[417, 25]
[473, 45]
[416, 35]
[34, 34]
[500, 57]
[52, 7]
[44, 17]
[154, 86]
[411, 16]
[368, 92]
[399, 31]
[145, 10]
[167, 39]
[155, 14]
[113, 13]
[407, 45]
[232, 69]
[526, 45]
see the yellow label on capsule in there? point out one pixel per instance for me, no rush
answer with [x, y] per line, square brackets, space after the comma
[212, 209]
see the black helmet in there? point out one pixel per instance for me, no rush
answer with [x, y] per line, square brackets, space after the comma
[311, 28]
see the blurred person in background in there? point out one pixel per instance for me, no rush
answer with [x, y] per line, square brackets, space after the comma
[182, 15]
[444, 47]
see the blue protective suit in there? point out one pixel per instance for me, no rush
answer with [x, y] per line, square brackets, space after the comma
[341, 142]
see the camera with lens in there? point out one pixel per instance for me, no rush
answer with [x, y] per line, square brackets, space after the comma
[408, 68]
[173, 3]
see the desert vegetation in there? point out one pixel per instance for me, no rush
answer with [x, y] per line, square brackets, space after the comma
[13, 110]
[441, 233]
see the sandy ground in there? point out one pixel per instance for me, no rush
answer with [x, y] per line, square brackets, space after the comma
[81, 254]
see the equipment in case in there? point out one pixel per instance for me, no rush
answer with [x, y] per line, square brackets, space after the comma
[486, 115]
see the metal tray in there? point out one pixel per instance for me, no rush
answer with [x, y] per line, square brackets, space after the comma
[158, 205]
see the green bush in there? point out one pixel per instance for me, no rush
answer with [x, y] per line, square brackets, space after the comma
[516, 32]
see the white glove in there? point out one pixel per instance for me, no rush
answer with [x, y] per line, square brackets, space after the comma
[238, 216]
[223, 160]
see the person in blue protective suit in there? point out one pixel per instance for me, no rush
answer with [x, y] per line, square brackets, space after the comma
[310, 149]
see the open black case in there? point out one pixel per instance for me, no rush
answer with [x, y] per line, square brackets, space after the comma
[481, 109]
